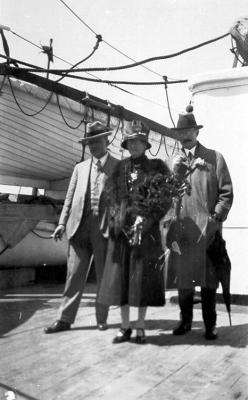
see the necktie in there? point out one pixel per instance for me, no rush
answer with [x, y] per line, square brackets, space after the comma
[99, 166]
[95, 192]
[190, 156]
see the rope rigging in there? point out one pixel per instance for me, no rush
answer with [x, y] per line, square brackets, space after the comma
[105, 80]
[20, 107]
[69, 73]
[54, 71]
[110, 84]
[159, 146]
[167, 99]
[99, 39]
[107, 43]
[63, 117]
[173, 123]
[116, 131]
[44, 106]
[14, 61]
[65, 73]
[162, 139]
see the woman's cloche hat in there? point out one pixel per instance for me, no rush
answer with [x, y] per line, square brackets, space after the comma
[138, 130]
[95, 130]
[187, 120]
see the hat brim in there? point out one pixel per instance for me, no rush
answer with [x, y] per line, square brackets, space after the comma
[88, 139]
[124, 143]
[186, 128]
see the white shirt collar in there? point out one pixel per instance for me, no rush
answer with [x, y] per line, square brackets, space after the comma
[192, 151]
[102, 159]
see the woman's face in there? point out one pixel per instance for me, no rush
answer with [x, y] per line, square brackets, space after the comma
[136, 147]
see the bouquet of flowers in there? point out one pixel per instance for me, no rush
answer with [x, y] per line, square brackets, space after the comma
[149, 198]
[182, 169]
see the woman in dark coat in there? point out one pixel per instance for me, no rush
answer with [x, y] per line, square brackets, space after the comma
[133, 273]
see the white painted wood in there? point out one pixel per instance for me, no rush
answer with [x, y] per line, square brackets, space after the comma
[43, 146]
[220, 101]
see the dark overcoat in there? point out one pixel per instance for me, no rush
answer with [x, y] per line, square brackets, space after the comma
[133, 274]
[191, 232]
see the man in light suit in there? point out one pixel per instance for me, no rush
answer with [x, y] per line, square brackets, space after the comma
[84, 217]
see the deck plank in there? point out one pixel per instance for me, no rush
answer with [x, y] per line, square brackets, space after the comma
[84, 364]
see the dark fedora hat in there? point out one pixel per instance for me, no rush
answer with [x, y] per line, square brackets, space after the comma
[187, 120]
[139, 131]
[95, 130]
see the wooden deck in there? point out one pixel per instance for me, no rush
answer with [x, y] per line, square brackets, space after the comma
[84, 364]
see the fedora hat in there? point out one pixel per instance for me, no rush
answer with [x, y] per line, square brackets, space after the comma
[138, 131]
[186, 120]
[95, 130]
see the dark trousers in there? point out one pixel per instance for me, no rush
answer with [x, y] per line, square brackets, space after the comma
[87, 241]
[208, 300]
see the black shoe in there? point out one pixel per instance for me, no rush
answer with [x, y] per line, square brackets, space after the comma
[103, 326]
[57, 326]
[182, 329]
[123, 336]
[211, 334]
[140, 336]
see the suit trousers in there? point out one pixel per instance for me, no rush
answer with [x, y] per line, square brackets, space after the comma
[208, 300]
[86, 242]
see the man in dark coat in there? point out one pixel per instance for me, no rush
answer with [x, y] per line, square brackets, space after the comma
[84, 217]
[197, 219]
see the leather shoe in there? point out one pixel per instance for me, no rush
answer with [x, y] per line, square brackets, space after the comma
[103, 326]
[58, 326]
[140, 336]
[182, 329]
[123, 335]
[211, 334]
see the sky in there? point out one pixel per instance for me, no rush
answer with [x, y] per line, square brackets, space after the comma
[138, 28]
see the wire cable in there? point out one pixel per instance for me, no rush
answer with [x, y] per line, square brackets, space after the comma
[170, 114]
[135, 64]
[167, 99]
[99, 39]
[57, 72]
[141, 83]
[116, 131]
[65, 61]
[96, 77]
[160, 144]
[73, 66]
[77, 16]
[63, 117]
[26, 40]
[107, 43]
[20, 107]
[121, 67]
[39, 47]
[138, 96]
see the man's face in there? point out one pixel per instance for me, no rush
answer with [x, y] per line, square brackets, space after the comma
[188, 137]
[136, 147]
[98, 147]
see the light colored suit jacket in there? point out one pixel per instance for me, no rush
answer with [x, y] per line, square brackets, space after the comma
[74, 204]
